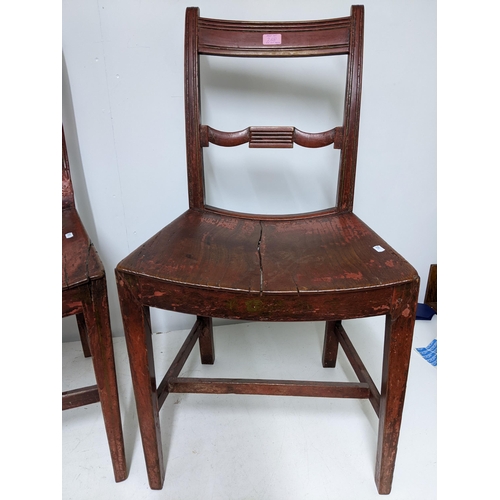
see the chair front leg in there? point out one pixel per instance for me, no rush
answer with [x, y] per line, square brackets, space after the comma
[100, 343]
[137, 326]
[397, 350]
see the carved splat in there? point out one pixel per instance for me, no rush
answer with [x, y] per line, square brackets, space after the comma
[271, 137]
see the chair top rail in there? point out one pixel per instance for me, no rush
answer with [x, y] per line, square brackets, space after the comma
[273, 39]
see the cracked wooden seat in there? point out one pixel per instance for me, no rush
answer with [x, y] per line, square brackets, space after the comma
[217, 253]
[321, 266]
[84, 294]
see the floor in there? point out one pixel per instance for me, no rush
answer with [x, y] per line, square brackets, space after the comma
[257, 447]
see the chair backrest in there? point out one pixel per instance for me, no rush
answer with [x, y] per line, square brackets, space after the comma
[68, 197]
[341, 36]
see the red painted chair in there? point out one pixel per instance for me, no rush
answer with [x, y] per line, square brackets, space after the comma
[321, 266]
[84, 294]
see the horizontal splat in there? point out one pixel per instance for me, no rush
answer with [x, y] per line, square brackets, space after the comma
[271, 137]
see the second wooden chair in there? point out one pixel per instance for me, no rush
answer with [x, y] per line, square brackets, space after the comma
[85, 295]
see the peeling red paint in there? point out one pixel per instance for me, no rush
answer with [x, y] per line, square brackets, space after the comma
[381, 308]
[351, 276]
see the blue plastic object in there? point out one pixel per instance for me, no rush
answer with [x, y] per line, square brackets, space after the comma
[429, 353]
[425, 312]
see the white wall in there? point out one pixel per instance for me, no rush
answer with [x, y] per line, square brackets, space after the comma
[123, 112]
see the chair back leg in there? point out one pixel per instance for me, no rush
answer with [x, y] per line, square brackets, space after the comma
[331, 344]
[82, 330]
[206, 341]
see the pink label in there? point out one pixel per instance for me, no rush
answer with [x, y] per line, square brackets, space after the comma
[273, 39]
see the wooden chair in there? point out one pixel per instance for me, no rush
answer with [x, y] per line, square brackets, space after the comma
[322, 266]
[84, 294]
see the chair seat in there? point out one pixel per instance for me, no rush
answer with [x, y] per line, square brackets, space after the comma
[80, 261]
[208, 250]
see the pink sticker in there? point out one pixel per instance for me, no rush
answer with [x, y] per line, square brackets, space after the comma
[273, 39]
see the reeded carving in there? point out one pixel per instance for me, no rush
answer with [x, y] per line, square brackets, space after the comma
[271, 137]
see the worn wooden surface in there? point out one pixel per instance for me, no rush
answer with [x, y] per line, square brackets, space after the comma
[137, 326]
[80, 262]
[227, 253]
[331, 344]
[357, 364]
[322, 266]
[80, 397]
[270, 387]
[84, 294]
[397, 348]
[246, 39]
